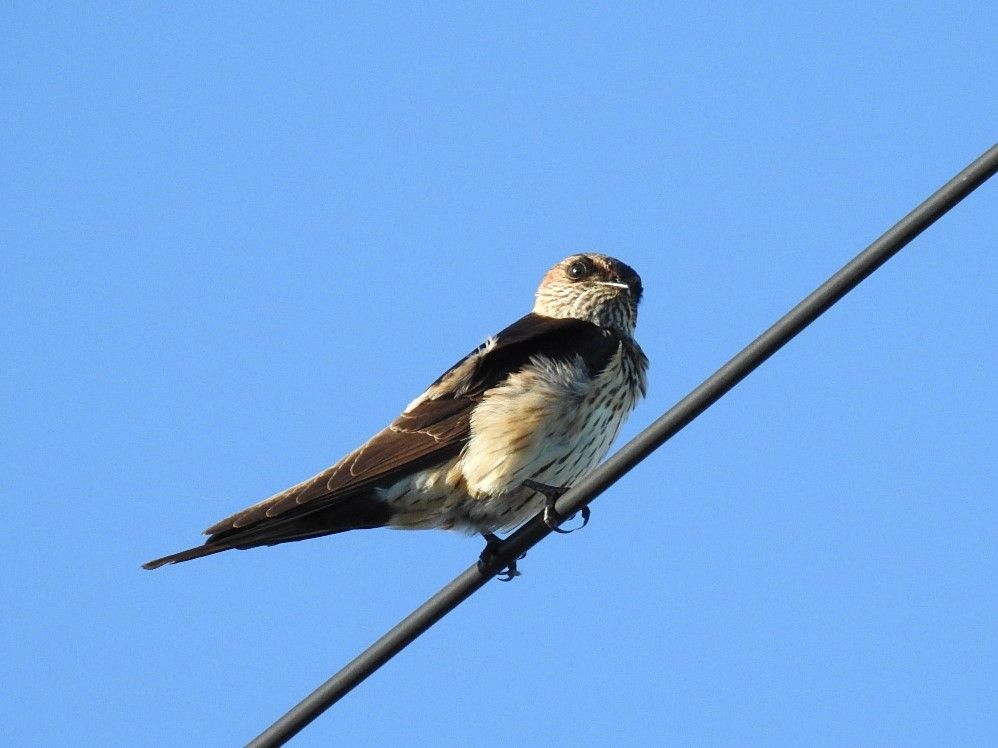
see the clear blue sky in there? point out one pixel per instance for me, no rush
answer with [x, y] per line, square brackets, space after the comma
[236, 242]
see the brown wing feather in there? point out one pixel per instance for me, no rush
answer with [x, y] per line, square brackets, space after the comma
[433, 429]
[432, 433]
[436, 426]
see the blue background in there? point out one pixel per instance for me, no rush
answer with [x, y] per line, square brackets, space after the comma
[237, 241]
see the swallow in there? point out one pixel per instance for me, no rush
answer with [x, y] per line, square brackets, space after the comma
[494, 440]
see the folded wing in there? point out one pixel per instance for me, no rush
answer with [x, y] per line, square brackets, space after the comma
[432, 430]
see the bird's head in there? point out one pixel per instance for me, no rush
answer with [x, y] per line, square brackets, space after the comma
[593, 287]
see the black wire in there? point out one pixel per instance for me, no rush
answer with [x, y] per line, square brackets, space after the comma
[635, 450]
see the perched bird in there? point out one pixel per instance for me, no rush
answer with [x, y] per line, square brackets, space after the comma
[494, 440]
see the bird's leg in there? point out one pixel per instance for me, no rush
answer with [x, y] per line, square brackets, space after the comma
[487, 559]
[551, 495]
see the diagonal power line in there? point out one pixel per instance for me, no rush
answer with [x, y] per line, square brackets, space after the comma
[665, 427]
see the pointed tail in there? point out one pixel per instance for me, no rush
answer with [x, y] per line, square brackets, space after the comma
[196, 552]
[354, 513]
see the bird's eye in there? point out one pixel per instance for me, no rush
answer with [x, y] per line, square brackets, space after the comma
[577, 270]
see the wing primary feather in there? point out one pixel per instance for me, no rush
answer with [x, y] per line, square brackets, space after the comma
[431, 431]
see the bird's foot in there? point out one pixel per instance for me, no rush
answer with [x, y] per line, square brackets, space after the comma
[487, 561]
[551, 516]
